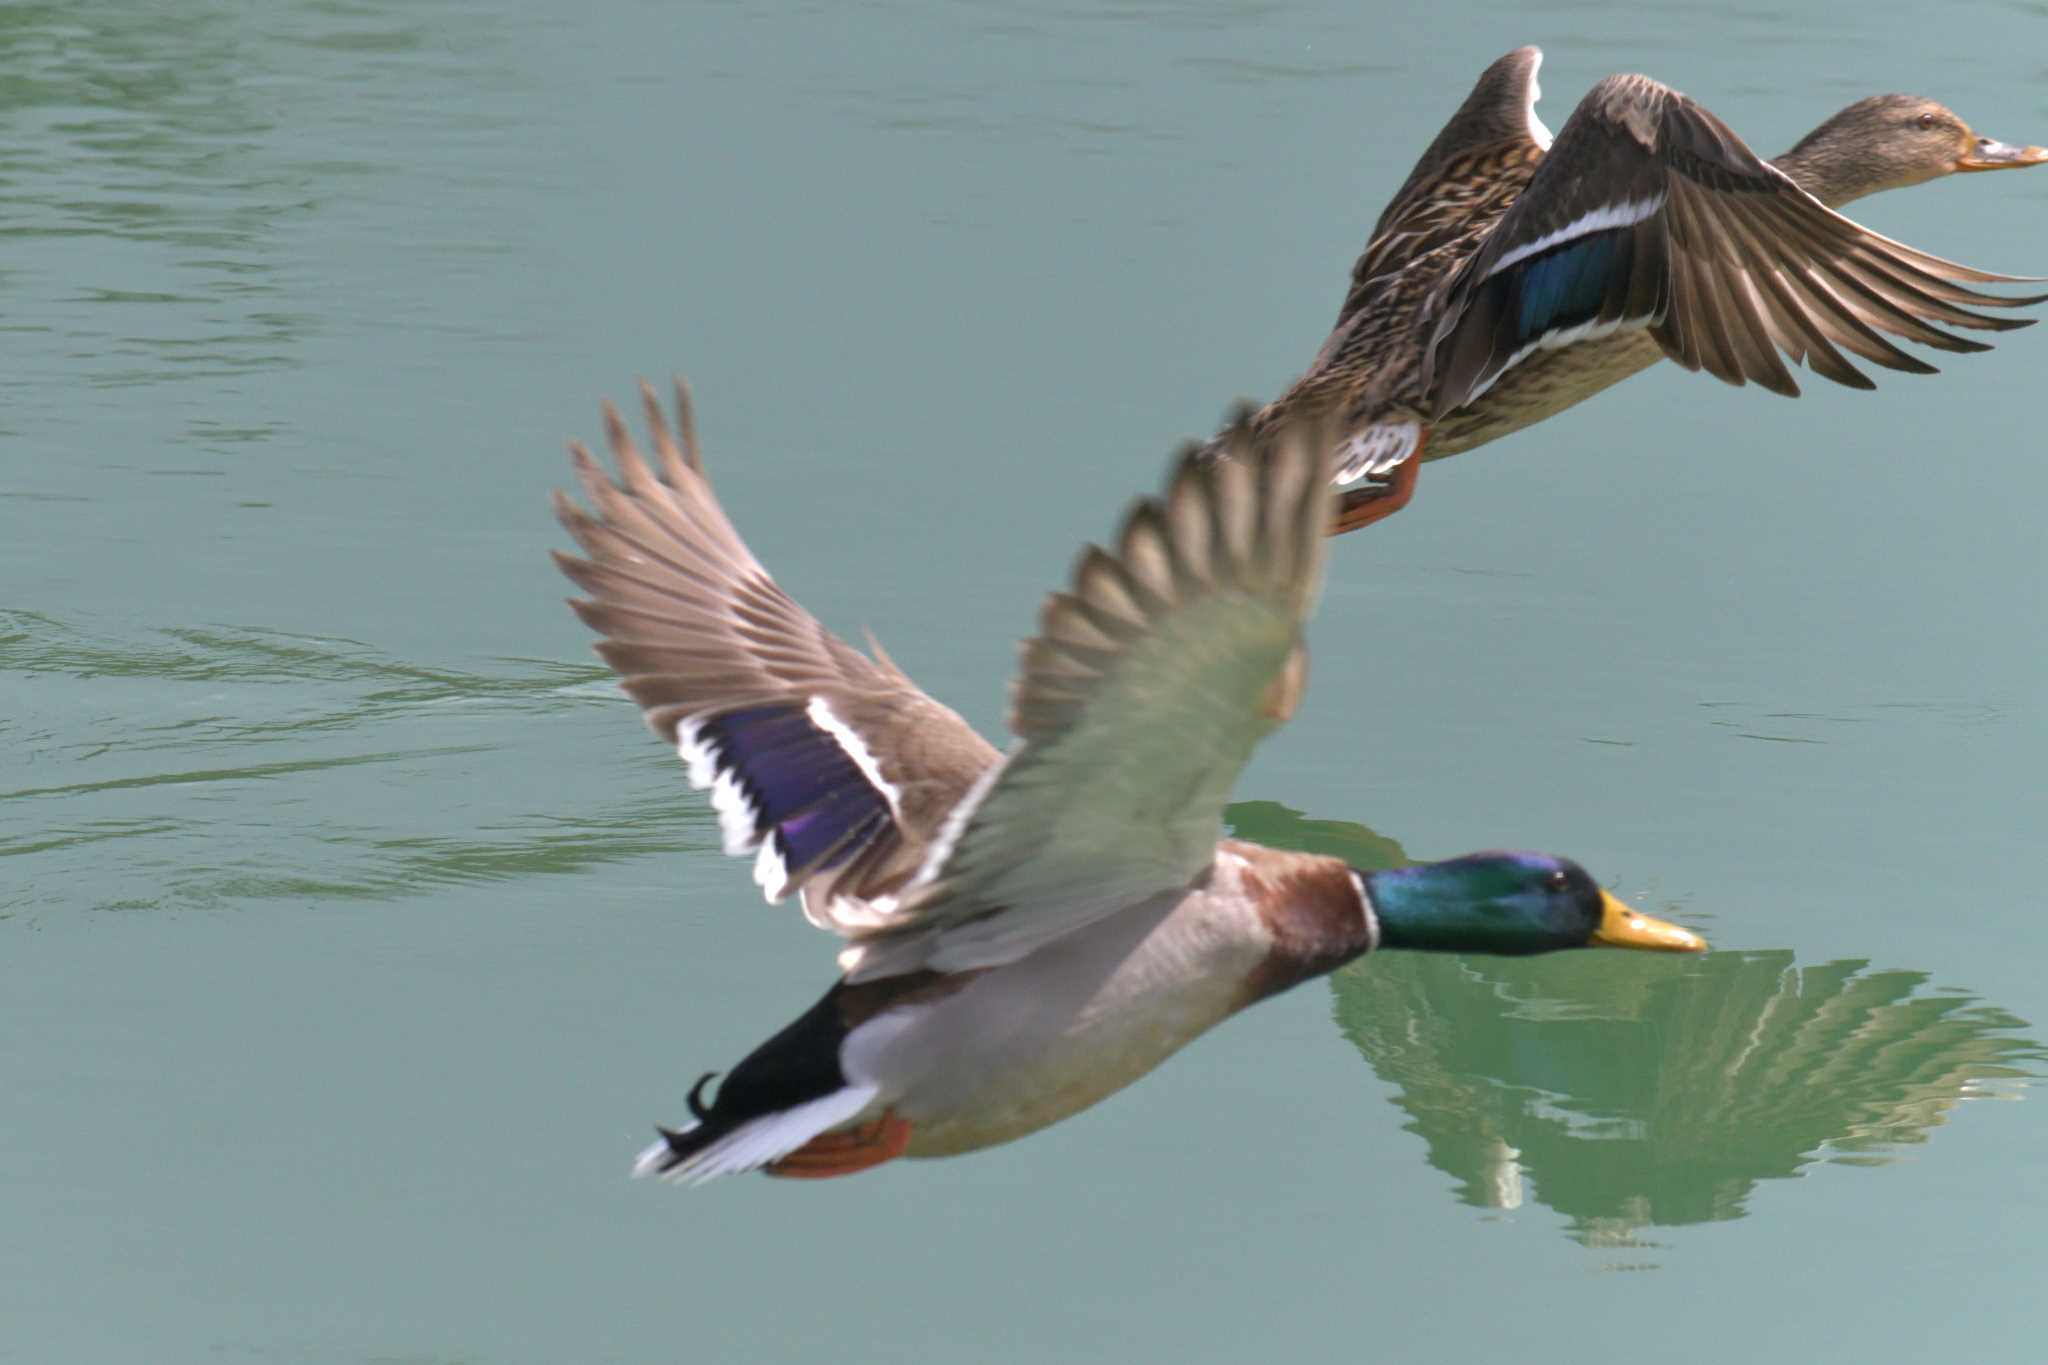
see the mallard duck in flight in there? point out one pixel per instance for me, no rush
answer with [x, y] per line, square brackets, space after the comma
[1513, 276]
[1027, 932]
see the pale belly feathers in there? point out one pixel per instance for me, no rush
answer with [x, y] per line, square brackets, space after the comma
[1542, 386]
[1026, 1044]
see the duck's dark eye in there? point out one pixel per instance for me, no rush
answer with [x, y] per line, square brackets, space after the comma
[1925, 120]
[1555, 881]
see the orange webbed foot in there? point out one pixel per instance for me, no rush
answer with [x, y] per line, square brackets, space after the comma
[846, 1151]
[1384, 496]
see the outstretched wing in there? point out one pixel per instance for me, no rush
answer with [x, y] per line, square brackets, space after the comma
[1464, 181]
[832, 769]
[1648, 212]
[1138, 703]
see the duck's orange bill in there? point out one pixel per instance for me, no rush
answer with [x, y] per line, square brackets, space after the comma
[1988, 154]
[1621, 927]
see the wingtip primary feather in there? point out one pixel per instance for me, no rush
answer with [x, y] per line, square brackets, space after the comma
[633, 467]
[686, 423]
[665, 448]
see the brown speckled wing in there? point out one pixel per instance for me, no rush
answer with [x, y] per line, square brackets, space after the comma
[831, 769]
[1649, 212]
[1463, 182]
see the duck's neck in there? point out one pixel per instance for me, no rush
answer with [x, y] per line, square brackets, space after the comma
[1314, 912]
[1835, 168]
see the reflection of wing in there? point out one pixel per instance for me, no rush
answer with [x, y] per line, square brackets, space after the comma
[1664, 1096]
[833, 769]
[1138, 703]
[1648, 212]
[1278, 826]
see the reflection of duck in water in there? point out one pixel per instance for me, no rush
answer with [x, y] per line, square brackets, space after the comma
[1027, 933]
[1659, 1095]
[1665, 1098]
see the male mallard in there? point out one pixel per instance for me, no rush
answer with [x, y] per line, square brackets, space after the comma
[1029, 932]
[1511, 278]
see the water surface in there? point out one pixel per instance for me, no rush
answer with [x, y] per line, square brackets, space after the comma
[353, 931]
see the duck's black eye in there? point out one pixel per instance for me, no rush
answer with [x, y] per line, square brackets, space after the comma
[1556, 881]
[1925, 120]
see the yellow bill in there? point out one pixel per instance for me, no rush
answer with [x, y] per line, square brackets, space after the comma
[1621, 927]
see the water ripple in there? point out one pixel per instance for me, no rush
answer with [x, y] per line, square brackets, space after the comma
[213, 766]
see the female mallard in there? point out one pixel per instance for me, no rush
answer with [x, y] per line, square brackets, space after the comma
[1029, 932]
[1512, 277]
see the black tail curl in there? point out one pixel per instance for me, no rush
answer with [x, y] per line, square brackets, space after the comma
[698, 1109]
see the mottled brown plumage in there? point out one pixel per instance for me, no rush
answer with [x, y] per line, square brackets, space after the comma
[1511, 277]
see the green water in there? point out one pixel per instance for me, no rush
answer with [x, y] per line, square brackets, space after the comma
[353, 932]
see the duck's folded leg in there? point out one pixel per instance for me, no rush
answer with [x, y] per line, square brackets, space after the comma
[1383, 495]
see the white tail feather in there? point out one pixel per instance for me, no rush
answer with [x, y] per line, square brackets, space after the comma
[651, 1160]
[756, 1142]
[1376, 450]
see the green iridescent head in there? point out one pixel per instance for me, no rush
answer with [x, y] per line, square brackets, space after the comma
[1510, 903]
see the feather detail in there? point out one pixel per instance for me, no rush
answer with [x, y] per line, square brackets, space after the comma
[786, 787]
[1649, 212]
[828, 768]
[750, 1145]
[1377, 449]
[1138, 702]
